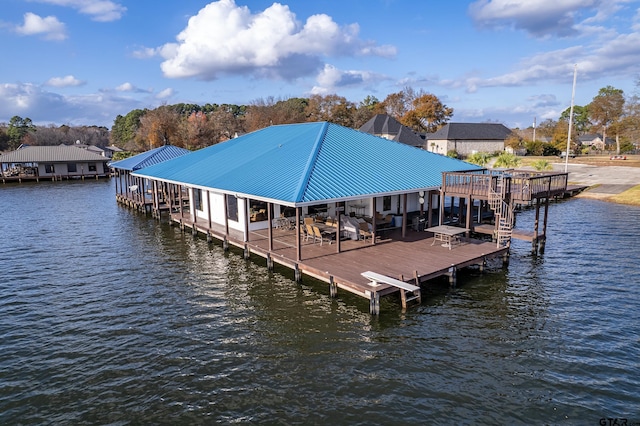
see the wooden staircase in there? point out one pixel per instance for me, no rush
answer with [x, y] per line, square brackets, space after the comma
[503, 212]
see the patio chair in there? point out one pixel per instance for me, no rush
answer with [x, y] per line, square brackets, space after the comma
[364, 231]
[309, 233]
[319, 235]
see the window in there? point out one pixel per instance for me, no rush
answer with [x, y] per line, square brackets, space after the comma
[318, 208]
[258, 211]
[232, 208]
[92, 167]
[72, 168]
[386, 203]
[197, 199]
[48, 168]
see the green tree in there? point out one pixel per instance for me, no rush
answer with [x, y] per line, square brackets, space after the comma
[124, 128]
[4, 138]
[19, 128]
[606, 109]
[581, 122]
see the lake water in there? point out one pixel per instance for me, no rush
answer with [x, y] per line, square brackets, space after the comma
[109, 317]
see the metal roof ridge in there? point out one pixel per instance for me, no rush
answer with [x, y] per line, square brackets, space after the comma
[304, 179]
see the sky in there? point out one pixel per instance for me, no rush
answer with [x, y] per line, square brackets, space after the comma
[84, 62]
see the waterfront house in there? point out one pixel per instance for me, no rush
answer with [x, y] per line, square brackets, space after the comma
[136, 191]
[388, 127]
[468, 138]
[51, 162]
[309, 169]
[345, 196]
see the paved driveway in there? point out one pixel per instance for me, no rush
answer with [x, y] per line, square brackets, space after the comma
[611, 179]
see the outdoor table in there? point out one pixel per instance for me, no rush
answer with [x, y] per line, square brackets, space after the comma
[446, 234]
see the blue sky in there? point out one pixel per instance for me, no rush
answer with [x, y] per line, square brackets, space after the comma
[83, 62]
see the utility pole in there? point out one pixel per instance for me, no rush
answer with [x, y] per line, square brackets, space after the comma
[573, 95]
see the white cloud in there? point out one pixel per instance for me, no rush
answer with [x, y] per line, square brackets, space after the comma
[144, 53]
[165, 94]
[619, 57]
[540, 18]
[332, 78]
[126, 87]
[44, 107]
[99, 10]
[65, 81]
[49, 27]
[224, 38]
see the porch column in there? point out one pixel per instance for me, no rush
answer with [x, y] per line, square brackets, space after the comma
[337, 227]
[246, 219]
[373, 221]
[269, 219]
[404, 217]
[209, 209]
[226, 215]
[441, 219]
[298, 239]
[469, 219]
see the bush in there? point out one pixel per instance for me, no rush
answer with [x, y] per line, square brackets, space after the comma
[507, 161]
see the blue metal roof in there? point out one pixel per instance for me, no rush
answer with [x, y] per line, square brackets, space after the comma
[149, 158]
[308, 163]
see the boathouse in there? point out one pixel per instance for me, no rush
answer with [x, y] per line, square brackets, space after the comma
[342, 206]
[51, 163]
[136, 192]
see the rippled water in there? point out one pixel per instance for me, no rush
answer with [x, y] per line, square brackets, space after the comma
[108, 317]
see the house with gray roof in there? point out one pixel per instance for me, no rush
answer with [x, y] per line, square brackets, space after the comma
[56, 162]
[468, 138]
[388, 127]
[595, 141]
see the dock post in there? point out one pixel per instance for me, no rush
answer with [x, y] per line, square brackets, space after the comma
[333, 287]
[209, 237]
[247, 253]
[452, 275]
[269, 262]
[505, 259]
[194, 230]
[403, 299]
[374, 303]
[297, 276]
[483, 263]
[225, 244]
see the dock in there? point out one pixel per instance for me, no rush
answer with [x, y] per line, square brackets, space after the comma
[413, 259]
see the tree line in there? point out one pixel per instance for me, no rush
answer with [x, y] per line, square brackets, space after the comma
[193, 126]
[610, 114]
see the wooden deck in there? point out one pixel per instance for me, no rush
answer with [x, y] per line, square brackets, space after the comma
[412, 259]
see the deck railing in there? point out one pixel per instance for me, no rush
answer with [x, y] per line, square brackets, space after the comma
[521, 185]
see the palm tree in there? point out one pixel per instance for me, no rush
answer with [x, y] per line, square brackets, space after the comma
[506, 161]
